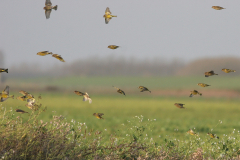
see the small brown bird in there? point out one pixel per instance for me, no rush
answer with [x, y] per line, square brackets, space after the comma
[108, 15]
[58, 57]
[120, 91]
[48, 8]
[20, 111]
[203, 85]
[113, 46]
[179, 105]
[85, 96]
[228, 70]
[5, 94]
[191, 132]
[142, 89]
[3, 70]
[213, 135]
[210, 73]
[194, 92]
[44, 53]
[98, 115]
[218, 7]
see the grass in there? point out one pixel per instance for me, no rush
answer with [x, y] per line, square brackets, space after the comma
[172, 82]
[146, 127]
[200, 113]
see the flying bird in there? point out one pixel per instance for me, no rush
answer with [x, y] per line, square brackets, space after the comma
[5, 94]
[191, 132]
[3, 70]
[203, 85]
[210, 73]
[31, 103]
[44, 53]
[179, 105]
[108, 15]
[22, 98]
[26, 94]
[228, 70]
[48, 8]
[218, 7]
[194, 92]
[20, 111]
[113, 46]
[85, 96]
[120, 91]
[142, 89]
[213, 135]
[58, 57]
[98, 115]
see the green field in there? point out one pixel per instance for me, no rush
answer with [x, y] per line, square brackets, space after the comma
[201, 113]
[153, 83]
[145, 118]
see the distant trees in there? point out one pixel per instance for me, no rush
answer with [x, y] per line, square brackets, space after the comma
[111, 66]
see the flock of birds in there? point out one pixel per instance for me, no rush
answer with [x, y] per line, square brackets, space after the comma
[108, 16]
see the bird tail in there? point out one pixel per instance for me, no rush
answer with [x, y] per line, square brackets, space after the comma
[114, 16]
[150, 91]
[200, 94]
[206, 75]
[233, 70]
[55, 7]
[6, 70]
[215, 74]
[191, 95]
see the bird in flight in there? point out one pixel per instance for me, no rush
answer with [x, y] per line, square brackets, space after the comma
[48, 8]
[108, 15]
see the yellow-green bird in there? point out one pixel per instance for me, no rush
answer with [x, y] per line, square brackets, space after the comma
[31, 103]
[194, 92]
[191, 132]
[120, 91]
[179, 105]
[228, 70]
[20, 111]
[210, 73]
[85, 95]
[58, 57]
[5, 94]
[213, 135]
[22, 98]
[108, 15]
[26, 94]
[142, 89]
[203, 85]
[98, 115]
[44, 53]
[113, 46]
[48, 8]
[218, 7]
[3, 70]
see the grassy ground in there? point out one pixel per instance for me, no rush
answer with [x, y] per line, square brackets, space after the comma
[174, 82]
[201, 113]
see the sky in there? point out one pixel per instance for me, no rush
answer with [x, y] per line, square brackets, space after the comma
[182, 30]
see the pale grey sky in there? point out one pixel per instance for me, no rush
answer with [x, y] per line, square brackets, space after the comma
[170, 29]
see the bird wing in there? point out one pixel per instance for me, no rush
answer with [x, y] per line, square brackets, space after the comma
[85, 98]
[48, 2]
[78, 93]
[100, 114]
[116, 87]
[47, 13]
[122, 92]
[6, 90]
[107, 11]
[3, 99]
[90, 100]
[107, 20]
